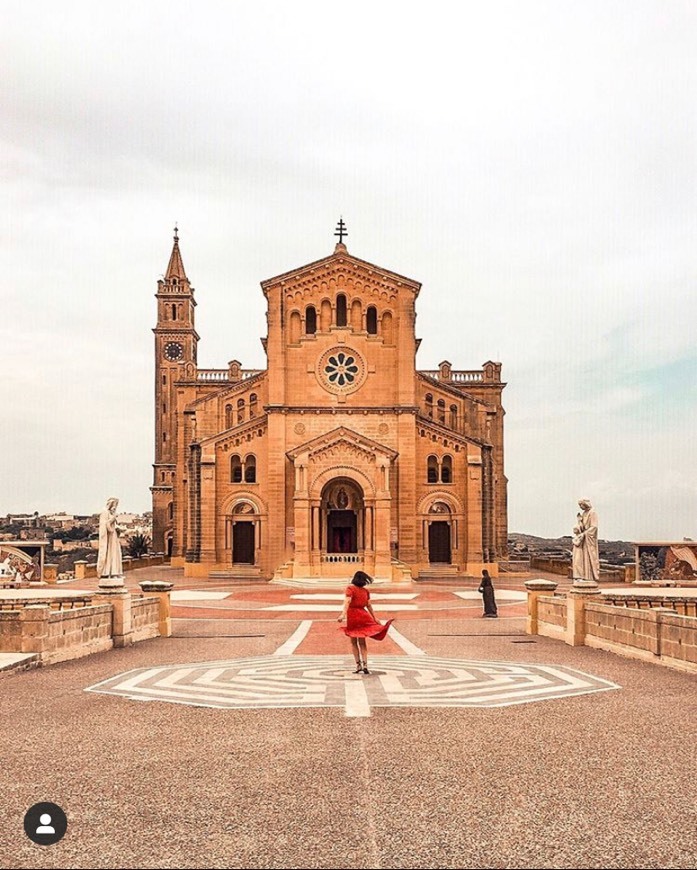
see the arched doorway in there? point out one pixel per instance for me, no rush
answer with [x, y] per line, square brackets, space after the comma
[244, 521]
[342, 517]
[439, 543]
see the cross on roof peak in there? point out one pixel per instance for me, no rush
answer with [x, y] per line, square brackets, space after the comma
[341, 230]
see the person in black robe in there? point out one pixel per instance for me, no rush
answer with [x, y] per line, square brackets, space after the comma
[486, 587]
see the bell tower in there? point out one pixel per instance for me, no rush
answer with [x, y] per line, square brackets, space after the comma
[175, 353]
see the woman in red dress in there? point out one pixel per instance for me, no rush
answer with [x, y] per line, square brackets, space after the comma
[360, 619]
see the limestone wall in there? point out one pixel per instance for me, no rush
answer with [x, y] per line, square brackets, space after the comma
[76, 633]
[634, 626]
[144, 618]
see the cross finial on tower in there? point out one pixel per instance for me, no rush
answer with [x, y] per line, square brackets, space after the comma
[341, 230]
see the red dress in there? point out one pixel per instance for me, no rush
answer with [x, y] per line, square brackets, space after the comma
[359, 623]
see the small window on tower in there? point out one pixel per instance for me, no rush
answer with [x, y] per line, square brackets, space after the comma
[310, 320]
[235, 469]
[432, 471]
[371, 320]
[250, 469]
[341, 310]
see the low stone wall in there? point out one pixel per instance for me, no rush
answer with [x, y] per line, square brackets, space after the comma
[684, 606]
[76, 633]
[551, 614]
[634, 626]
[551, 565]
[144, 618]
[69, 627]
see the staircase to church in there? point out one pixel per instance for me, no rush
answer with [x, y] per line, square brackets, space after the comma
[235, 572]
[438, 572]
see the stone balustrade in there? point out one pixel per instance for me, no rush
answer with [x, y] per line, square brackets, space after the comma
[639, 626]
[60, 628]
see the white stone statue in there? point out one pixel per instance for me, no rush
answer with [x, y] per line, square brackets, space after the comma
[109, 562]
[585, 562]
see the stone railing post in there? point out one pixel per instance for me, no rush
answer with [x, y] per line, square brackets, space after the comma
[120, 600]
[161, 590]
[34, 628]
[80, 566]
[660, 613]
[535, 589]
[580, 592]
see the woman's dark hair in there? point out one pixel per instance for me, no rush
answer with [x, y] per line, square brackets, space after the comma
[360, 578]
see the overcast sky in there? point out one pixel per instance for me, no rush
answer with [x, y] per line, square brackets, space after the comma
[533, 164]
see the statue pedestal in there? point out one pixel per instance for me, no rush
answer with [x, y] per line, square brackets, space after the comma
[587, 586]
[111, 584]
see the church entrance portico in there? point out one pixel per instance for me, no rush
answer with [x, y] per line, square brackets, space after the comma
[341, 509]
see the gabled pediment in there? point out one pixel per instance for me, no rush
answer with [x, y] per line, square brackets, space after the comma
[342, 438]
[341, 263]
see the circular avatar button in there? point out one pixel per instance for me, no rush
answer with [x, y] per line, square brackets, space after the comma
[45, 823]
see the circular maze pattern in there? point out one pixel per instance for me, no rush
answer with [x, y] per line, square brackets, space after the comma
[279, 681]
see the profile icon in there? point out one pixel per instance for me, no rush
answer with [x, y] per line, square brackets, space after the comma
[45, 827]
[45, 823]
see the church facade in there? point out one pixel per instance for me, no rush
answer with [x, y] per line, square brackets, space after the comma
[340, 454]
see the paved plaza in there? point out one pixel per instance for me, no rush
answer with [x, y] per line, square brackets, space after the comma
[246, 740]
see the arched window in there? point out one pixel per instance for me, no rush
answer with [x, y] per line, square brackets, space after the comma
[341, 310]
[252, 405]
[228, 417]
[387, 333]
[446, 469]
[174, 312]
[356, 315]
[441, 411]
[294, 327]
[371, 320]
[310, 320]
[240, 410]
[429, 405]
[325, 315]
[432, 475]
[250, 468]
[235, 469]
[453, 416]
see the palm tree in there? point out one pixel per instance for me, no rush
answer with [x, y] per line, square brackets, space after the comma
[138, 545]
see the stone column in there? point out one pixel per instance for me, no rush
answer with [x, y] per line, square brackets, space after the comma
[162, 591]
[535, 589]
[580, 592]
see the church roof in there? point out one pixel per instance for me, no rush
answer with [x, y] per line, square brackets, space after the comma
[341, 254]
[175, 269]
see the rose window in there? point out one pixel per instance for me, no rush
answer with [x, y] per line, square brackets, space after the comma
[341, 369]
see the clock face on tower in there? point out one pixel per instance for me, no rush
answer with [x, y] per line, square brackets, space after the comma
[173, 351]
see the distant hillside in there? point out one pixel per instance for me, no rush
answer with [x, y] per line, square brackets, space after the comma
[610, 551]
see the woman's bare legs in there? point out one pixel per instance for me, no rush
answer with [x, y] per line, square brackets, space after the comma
[363, 651]
[356, 653]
